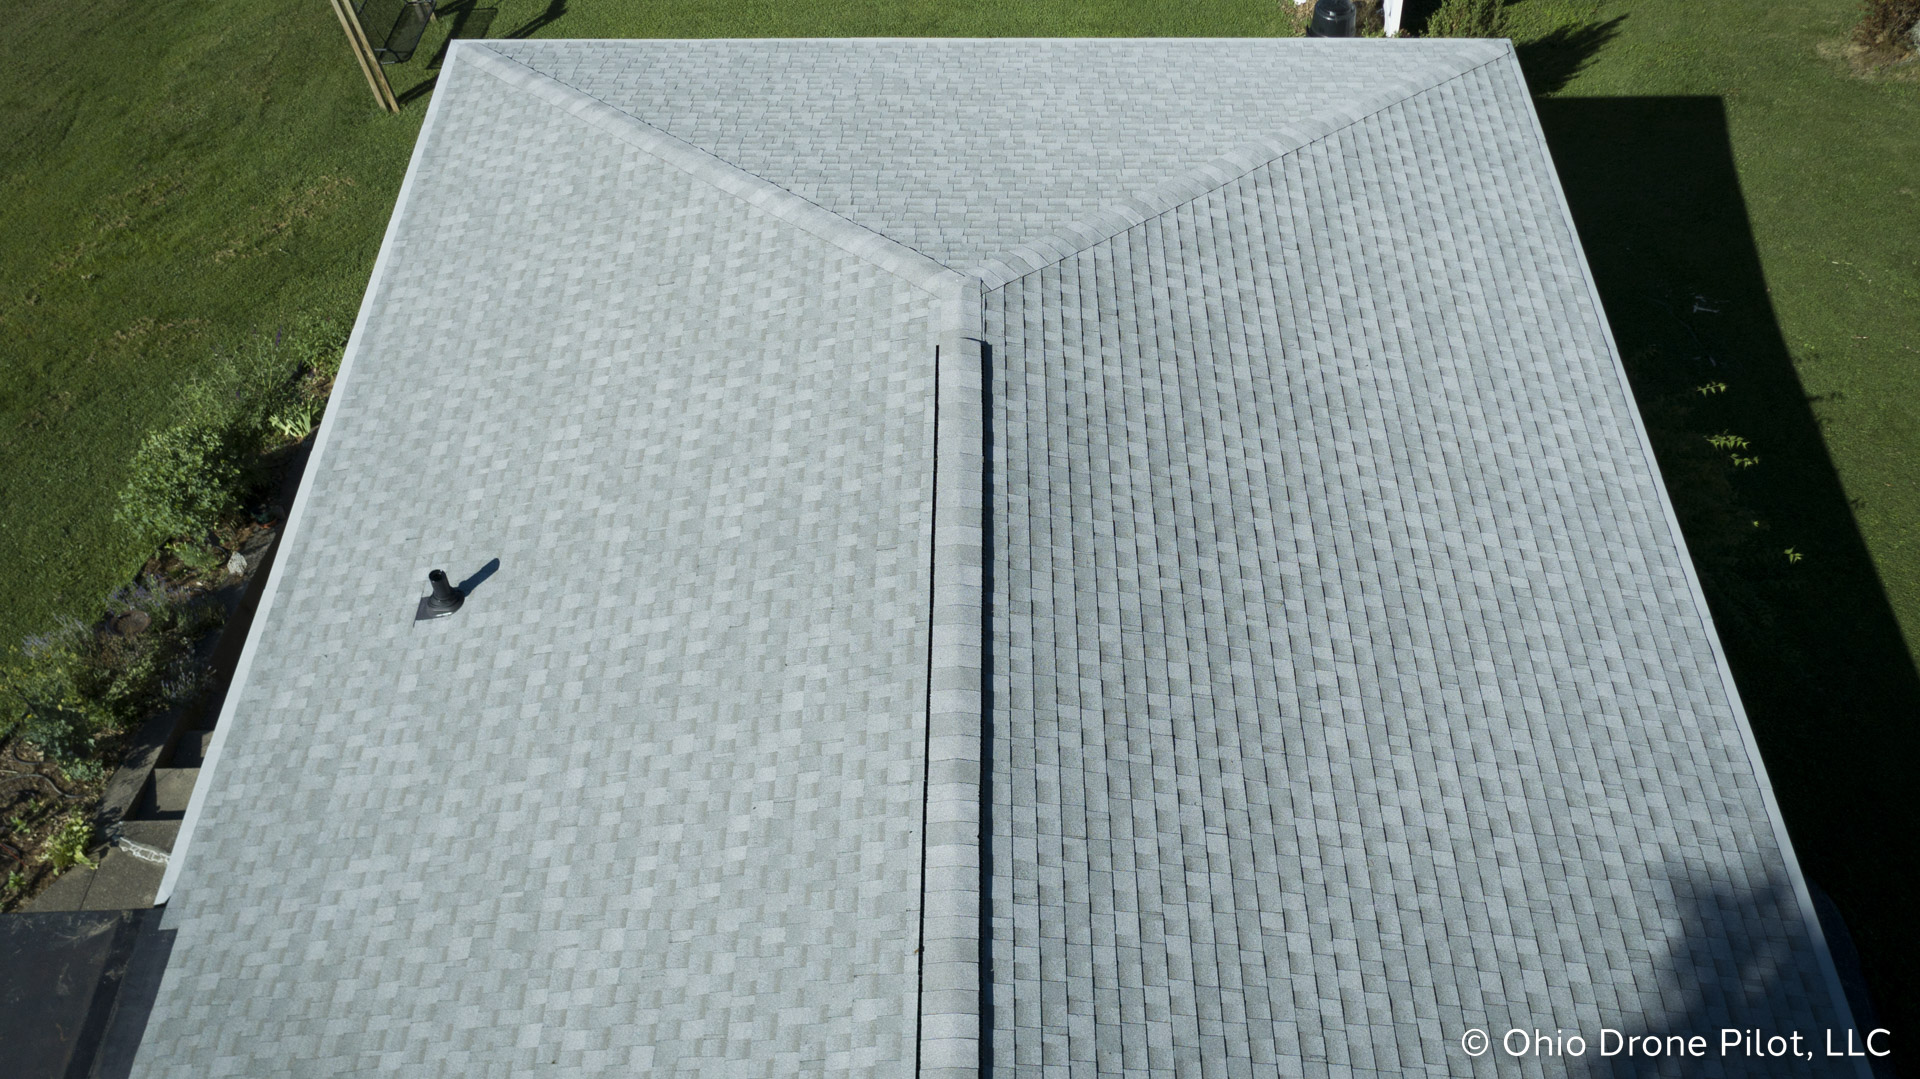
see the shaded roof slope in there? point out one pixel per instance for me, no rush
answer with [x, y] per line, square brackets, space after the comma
[1349, 688]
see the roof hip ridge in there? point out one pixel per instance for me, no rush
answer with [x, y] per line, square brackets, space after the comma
[855, 239]
[1115, 218]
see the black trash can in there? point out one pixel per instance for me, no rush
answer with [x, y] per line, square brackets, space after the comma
[1332, 18]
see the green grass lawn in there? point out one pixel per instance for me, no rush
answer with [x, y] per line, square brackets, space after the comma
[182, 176]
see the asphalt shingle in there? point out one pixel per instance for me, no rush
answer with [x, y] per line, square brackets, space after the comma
[1162, 519]
[652, 799]
[963, 149]
[1348, 687]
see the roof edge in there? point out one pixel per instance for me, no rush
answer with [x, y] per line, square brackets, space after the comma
[1112, 220]
[297, 513]
[1823, 953]
[887, 253]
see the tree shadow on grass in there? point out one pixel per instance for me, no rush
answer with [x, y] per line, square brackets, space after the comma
[1822, 668]
[1553, 60]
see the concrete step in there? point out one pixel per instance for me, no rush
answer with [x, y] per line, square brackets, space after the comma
[67, 892]
[156, 834]
[123, 882]
[191, 750]
[58, 974]
[167, 793]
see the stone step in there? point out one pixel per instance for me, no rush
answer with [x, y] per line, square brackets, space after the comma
[167, 793]
[191, 750]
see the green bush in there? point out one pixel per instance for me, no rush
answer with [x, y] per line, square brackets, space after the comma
[68, 846]
[44, 696]
[67, 690]
[185, 480]
[1467, 18]
[205, 560]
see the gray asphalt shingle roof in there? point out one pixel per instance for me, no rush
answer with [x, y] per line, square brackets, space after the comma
[1349, 691]
[1184, 488]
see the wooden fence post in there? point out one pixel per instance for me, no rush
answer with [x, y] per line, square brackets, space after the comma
[363, 52]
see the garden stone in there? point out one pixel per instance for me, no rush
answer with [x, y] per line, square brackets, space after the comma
[132, 624]
[237, 565]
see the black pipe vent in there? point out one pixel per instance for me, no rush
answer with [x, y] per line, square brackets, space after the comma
[444, 600]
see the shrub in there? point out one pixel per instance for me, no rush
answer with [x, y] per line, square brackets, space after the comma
[1369, 18]
[64, 691]
[45, 699]
[191, 476]
[1888, 29]
[199, 557]
[185, 480]
[1467, 18]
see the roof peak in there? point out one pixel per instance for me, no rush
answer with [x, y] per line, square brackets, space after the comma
[848, 235]
[938, 158]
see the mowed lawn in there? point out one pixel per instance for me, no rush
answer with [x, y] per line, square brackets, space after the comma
[180, 176]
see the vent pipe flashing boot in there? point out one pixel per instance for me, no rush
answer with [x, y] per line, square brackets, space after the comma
[445, 599]
[1332, 18]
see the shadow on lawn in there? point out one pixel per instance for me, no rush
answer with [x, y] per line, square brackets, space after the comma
[555, 9]
[1823, 670]
[468, 22]
[1553, 60]
[472, 23]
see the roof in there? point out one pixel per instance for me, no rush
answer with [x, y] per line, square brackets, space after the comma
[1114, 556]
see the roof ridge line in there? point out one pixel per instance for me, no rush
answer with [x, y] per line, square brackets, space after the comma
[953, 859]
[1109, 221]
[850, 236]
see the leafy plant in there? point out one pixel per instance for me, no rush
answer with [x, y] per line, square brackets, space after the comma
[199, 557]
[43, 699]
[185, 480]
[1468, 18]
[296, 421]
[68, 846]
[64, 690]
[16, 881]
[84, 771]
